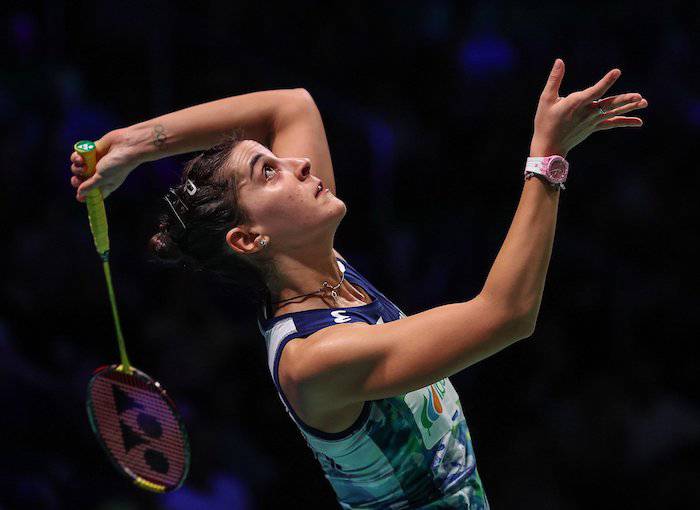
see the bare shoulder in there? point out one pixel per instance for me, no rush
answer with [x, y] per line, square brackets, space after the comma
[320, 414]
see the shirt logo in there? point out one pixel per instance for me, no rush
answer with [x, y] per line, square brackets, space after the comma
[339, 317]
[434, 409]
[432, 405]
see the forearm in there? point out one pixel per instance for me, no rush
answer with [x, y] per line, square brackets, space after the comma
[200, 127]
[516, 279]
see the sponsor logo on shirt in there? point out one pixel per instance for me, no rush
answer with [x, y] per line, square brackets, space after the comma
[339, 317]
[432, 404]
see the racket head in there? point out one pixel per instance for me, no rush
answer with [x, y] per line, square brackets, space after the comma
[139, 427]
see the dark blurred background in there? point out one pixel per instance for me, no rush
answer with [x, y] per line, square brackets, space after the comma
[428, 108]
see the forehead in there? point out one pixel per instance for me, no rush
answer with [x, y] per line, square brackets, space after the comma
[241, 156]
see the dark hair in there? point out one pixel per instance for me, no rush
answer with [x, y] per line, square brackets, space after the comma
[210, 213]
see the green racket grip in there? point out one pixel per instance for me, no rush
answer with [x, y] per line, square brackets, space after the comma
[95, 204]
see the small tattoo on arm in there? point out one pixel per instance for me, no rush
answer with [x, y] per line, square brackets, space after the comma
[159, 136]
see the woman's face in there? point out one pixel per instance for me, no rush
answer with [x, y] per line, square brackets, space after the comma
[279, 195]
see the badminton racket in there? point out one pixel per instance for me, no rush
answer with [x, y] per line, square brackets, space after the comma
[131, 414]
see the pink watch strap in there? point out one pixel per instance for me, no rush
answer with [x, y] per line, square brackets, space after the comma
[556, 175]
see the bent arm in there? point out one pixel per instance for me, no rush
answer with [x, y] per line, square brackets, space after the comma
[286, 120]
[357, 362]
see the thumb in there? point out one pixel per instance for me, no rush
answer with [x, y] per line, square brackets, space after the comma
[101, 148]
[551, 89]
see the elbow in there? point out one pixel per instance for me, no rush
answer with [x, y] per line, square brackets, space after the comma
[296, 103]
[514, 330]
[524, 324]
[527, 329]
[303, 100]
[304, 95]
[512, 322]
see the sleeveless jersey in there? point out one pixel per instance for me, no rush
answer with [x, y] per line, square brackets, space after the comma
[409, 451]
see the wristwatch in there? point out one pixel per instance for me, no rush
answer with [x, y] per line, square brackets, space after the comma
[553, 168]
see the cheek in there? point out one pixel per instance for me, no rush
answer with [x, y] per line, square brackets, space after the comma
[285, 202]
[287, 208]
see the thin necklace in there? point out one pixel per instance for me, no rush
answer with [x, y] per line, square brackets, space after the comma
[325, 284]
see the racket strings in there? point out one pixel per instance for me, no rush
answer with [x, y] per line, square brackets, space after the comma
[138, 427]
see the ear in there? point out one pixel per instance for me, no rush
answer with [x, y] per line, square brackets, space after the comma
[243, 241]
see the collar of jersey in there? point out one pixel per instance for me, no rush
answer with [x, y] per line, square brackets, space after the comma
[348, 276]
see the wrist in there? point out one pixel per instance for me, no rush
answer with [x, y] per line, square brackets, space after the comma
[138, 142]
[542, 150]
[554, 168]
[545, 183]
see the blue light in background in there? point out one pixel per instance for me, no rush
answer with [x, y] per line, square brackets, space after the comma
[23, 30]
[83, 118]
[227, 493]
[382, 140]
[694, 112]
[486, 54]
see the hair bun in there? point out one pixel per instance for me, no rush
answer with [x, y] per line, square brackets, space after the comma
[162, 244]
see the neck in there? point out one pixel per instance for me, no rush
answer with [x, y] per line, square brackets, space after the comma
[304, 271]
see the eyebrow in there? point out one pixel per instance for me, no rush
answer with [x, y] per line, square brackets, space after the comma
[254, 160]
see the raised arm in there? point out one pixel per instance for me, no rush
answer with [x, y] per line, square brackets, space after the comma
[349, 363]
[356, 362]
[287, 121]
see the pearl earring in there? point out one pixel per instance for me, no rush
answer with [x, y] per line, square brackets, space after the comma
[262, 242]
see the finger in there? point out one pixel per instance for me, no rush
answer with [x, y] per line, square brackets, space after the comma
[616, 122]
[626, 108]
[88, 186]
[608, 103]
[596, 91]
[551, 89]
[100, 149]
[75, 182]
[77, 159]
[77, 170]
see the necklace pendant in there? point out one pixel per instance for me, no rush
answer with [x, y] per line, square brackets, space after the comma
[334, 294]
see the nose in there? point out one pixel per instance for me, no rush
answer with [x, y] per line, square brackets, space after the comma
[302, 168]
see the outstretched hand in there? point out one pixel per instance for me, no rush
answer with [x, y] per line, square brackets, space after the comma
[561, 123]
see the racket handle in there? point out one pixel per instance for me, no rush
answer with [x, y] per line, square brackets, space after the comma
[95, 204]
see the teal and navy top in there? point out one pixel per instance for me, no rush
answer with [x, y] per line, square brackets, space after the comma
[408, 451]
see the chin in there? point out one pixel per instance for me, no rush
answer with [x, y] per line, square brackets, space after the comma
[342, 209]
[335, 213]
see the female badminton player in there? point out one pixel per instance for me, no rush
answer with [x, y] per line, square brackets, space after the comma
[367, 386]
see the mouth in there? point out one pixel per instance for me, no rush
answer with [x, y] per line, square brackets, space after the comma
[319, 189]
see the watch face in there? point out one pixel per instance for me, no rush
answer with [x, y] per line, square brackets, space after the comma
[557, 169]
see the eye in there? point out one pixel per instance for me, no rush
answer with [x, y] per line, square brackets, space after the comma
[265, 168]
